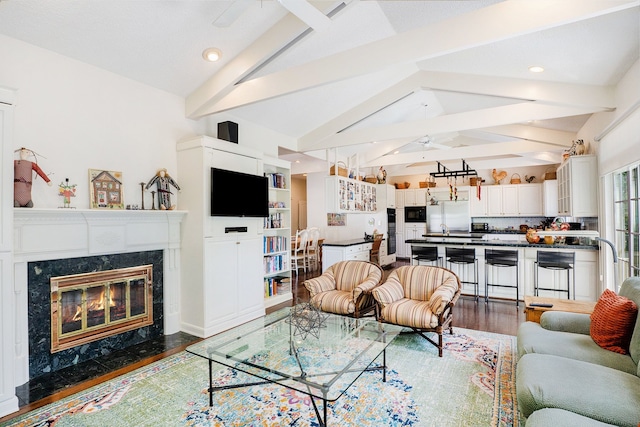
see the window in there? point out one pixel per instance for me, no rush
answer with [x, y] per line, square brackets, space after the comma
[627, 219]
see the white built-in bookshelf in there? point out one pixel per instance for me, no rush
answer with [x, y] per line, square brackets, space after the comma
[277, 234]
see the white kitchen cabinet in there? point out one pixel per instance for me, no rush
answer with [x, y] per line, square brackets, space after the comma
[415, 197]
[585, 269]
[412, 231]
[385, 258]
[401, 251]
[332, 254]
[550, 197]
[400, 199]
[478, 206]
[578, 187]
[350, 195]
[529, 199]
[502, 200]
[511, 200]
[386, 196]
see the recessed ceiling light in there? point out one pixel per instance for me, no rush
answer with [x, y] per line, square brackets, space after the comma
[396, 152]
[211, 54]
[536, 69]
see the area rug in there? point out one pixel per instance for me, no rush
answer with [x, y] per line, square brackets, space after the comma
[472, 385]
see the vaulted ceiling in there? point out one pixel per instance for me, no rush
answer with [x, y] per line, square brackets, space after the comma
[396, 83]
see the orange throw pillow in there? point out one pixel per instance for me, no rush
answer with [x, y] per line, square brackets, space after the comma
[612, 322]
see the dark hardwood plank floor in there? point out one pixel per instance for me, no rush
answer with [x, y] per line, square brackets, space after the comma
[502, 317]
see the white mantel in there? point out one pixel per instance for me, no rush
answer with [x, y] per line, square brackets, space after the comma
[48, 234]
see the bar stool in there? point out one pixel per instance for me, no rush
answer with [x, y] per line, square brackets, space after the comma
[500, 258]
[425, 254]
[556, 261]
[464, 257]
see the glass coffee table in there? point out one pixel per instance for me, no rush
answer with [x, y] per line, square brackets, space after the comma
[318, 354]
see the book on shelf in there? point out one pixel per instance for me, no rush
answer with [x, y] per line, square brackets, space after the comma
[275, 286]
[275, 244]
[277, 180]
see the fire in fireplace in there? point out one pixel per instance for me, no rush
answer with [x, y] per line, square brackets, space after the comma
[91, 306]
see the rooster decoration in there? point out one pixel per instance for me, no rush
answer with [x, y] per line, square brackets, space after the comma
[498, 176]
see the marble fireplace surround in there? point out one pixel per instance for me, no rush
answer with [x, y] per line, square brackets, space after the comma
[56, 234]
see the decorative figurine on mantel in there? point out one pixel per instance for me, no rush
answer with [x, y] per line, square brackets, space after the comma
[23, 176]
[163, 184]
[67, 191]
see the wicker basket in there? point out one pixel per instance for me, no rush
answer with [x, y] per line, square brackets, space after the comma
[371, 179]
[550, 174]
[402, 185]
[473, 181]
[515, 179]
[423, 184]
[432, 184]
[342, 170]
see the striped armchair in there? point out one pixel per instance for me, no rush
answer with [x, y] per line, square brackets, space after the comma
[420, 297]
[345, 288]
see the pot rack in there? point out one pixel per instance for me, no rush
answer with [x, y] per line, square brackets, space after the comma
[443, 171]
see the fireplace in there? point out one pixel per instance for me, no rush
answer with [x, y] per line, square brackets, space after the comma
[91, 306]
[84, 308]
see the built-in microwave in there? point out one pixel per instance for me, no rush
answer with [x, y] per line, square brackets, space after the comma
[415, 214]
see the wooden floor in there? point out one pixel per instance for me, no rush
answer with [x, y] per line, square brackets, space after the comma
[502, 317]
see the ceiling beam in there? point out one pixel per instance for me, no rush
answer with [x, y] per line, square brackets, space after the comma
[524, 89]
[533, 133]
[470, 30]
[476, 152]
[496, 116]
[600, 98]
[410, 82]
[199, 102]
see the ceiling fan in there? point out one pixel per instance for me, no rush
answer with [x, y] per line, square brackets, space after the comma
[428, 141]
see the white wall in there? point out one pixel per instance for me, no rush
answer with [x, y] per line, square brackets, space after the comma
[79, 117]
[619, 147]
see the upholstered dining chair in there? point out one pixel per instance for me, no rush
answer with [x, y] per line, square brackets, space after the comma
[420, 297]
[345, 288]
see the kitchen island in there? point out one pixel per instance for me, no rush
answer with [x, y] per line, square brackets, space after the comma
[585, 269]
[343, 250]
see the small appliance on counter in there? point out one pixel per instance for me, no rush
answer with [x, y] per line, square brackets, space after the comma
[573, 240]
[479, 226]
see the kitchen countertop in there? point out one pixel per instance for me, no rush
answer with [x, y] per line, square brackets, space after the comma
[348, 242]
[480, 242]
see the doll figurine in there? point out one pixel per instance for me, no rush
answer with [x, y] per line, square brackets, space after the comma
[163, 182]
[22, 178]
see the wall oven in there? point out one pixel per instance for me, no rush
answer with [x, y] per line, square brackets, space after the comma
[391, 231]
[415, 214]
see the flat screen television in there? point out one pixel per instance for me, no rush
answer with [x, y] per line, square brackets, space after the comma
[238, 194]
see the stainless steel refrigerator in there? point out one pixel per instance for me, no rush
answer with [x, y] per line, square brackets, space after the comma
[455, 214]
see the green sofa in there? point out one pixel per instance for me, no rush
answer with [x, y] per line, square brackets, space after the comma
[565, 377]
